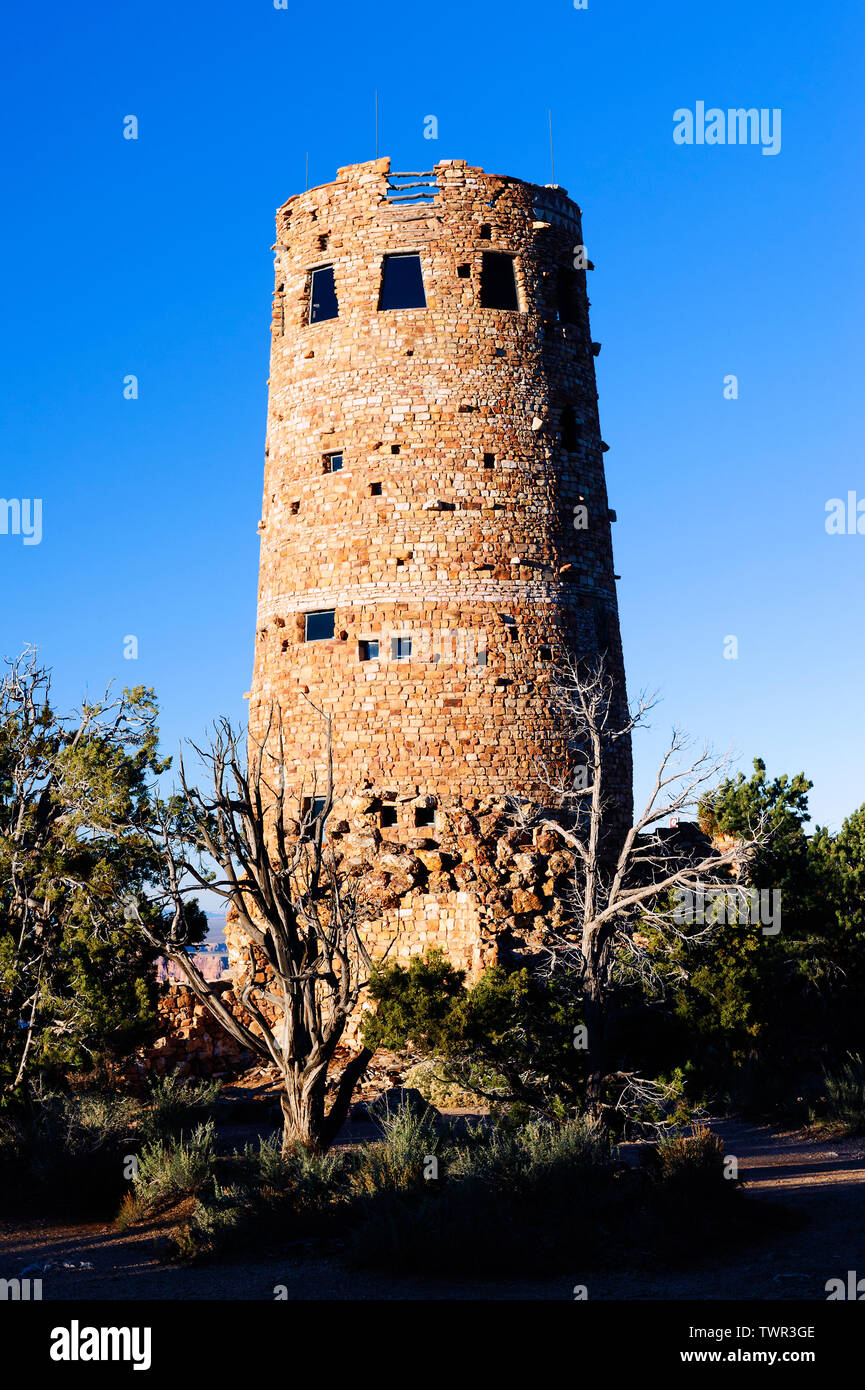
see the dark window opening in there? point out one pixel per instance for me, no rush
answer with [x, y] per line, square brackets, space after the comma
[311, 808]
[394, 448]
[489, 460]
[295, 508]
[545, 654]
[512, 633]
[375, 489]
[400, 648]
[402, 283]
[464, 271]
[569, 432]
[602, 627]
[567, 298]
[332, 463]
[486, 231]
[322, 241]
[425, 815]
[367, 651]
[387, 816]
[320, 626]
[498, 281]
[322, 295]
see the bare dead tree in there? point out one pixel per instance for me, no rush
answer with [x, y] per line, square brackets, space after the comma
[299, 912]
[623, 882]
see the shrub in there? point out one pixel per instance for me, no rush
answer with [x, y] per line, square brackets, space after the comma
[396, 1163]
[269, 1194]
[170, 1170]
[518, 1198]
[692, 1163]
[178, 1104]
[842, 1110]
[67, 1152]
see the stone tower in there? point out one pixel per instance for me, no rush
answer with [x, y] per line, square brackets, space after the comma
[435, 532]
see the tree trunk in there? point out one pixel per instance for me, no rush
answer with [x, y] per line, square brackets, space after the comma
[303, 1112]
[593, 1004]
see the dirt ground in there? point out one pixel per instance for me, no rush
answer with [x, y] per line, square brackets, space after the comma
[821, 1182]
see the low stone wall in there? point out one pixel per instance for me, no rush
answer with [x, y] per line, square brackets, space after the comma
[192, 1042]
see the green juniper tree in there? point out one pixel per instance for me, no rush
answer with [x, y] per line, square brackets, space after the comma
[76, 983]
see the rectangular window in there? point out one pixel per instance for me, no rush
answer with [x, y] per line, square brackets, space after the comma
[402, 283]
[311, 808]
[498, 281]
[367, 651]
[425, 815]
[320, 626]
[400, 648]
[567, 297]
[387, 816]
[332, 463]
[375, 489]
[322, 295]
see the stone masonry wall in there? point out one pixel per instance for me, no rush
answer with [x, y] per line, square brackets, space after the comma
[452, 519]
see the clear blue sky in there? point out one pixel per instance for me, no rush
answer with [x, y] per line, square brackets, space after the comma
[152, 257]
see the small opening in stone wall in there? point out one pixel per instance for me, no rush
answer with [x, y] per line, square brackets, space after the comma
[323, 302]
[387, 816]
[464, 271]
[489, 460]
[400, 648]
[511, 630]
[498, 281]
[545, 653]
[284, 646]
[323, 240]
[602, 626]
[332, 463]
[367, 650]
[320, 625]
[486, 231]
[402, 283]
[311, 808]
[568, 429]
[567, 297]
[375, 489]
[395, 448]
[425, 815]
[295, 508]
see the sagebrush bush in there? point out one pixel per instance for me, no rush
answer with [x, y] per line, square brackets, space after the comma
[270, 1194]
[67, 1151]
[397, 1162]
[692, 1162]
[178, 1104]
[842, 1109]
[169, 1170]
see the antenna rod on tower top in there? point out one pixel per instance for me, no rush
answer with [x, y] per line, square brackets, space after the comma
[376, 125]
[306, 185]
[552, 159]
